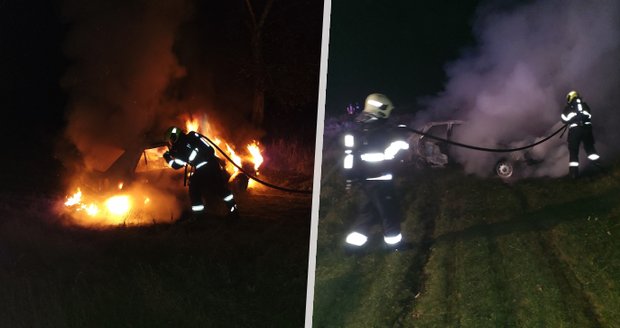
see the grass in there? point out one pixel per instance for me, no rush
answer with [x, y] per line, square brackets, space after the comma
[203, 275]
[534, 253]
[210, 275]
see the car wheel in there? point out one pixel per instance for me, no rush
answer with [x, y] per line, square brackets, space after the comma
[504, 169]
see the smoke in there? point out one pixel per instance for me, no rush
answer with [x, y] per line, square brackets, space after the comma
[122, 65]
[511, 88]
[120, 82]
[136, 68]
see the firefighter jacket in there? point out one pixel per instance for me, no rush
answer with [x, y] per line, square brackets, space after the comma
[577, 113]
[372, 151]
[190, 149]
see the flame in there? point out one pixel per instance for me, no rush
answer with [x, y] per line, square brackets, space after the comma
[191, 124]
[236, 159]
[253, 155]
[74, 199]
[120, 185]
[113, 210]
[118, 205]
[257, 158]
[92, 209]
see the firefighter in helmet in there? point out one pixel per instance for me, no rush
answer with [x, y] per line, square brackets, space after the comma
[371, 150]
[208, 178]
[578, 117]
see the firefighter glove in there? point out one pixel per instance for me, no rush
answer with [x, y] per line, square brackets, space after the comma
[167, 156]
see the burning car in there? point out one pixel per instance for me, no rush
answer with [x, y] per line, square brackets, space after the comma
[136, 186]
[429, 152]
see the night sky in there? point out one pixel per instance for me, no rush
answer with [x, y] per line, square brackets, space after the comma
[31, 63]
[398, 49]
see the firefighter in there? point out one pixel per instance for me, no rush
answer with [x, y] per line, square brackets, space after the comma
[370, 154]
[208, 178]
[578, 117]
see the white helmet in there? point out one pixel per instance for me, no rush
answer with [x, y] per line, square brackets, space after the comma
[377, 106]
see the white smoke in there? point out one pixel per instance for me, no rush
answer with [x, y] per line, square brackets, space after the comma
[511, 88]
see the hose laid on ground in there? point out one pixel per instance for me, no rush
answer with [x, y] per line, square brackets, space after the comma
[495, 150]
[252, 176]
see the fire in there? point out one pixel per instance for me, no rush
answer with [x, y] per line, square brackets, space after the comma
[253, 155]
[138, 204]
[113, 210]
[257, 158]
[75, 198]
[118, 205]
[236, 159]
[191, 124]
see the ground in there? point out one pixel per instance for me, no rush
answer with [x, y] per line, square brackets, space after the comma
[534, 253]
[209, 273]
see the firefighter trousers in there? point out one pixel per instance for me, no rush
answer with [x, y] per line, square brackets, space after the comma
[378, 204]
[209, 183]
[576, 136]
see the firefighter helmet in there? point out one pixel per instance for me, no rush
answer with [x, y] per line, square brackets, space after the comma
[376, 106]
[572, 96]
[172, 134]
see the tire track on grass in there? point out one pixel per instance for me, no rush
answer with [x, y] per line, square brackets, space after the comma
[428, 209]
[569, 284]
[499, 281]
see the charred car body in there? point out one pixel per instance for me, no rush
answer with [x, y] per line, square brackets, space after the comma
[429, 152]
[143, 166]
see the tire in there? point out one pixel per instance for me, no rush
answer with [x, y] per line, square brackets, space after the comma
[504, 169]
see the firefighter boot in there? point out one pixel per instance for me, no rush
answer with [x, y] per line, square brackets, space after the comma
[573, 171]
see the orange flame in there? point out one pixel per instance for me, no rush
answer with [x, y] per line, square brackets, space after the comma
[74, 199]
[113, 211]
[128, 204]
[257, 158]
[191, 124]
[236, 159]
[254, 155]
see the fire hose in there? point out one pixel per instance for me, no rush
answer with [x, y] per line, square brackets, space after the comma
[495, 150]
[265, 183]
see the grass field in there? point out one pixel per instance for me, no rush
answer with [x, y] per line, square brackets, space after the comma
[534, 253]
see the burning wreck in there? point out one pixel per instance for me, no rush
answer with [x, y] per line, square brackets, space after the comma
[135, 185]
